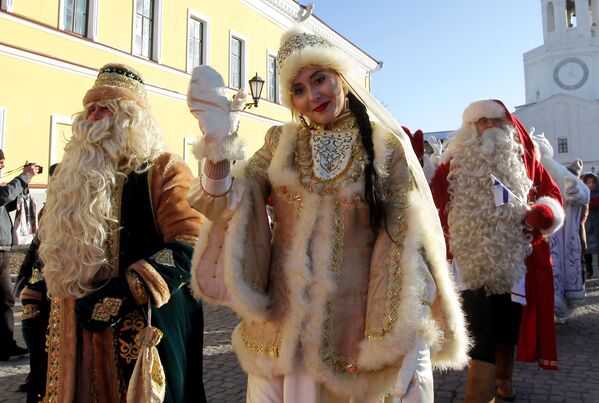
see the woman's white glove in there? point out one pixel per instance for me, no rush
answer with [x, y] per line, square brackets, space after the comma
[575, 191]
[216, 115]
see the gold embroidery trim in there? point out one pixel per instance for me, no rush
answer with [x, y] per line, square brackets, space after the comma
[397, 197]
[293, 198]
[272, 350]
[106, 309]
[129, 350]
[338, 363]
[164, 257]
[36, 276]
[190, 240]
[257, 166]
[137, 287]
[30, 311]
[352, 172]
[53, 378]
[114, 231]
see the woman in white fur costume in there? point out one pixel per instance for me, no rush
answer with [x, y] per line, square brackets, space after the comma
[350, 298]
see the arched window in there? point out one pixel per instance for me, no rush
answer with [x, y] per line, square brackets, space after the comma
[550, 17]
[571, 13]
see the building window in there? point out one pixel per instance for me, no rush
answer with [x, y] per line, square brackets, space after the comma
[273, 83]
[562, 145]
[75, 16]
[196, 43]
[144, 28]
[236, 72]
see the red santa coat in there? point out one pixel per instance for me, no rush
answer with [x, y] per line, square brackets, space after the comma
[537, 338]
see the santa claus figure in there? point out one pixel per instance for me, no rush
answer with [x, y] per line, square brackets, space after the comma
[497, 205]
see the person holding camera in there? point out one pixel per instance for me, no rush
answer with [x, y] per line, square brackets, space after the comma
[8, 196]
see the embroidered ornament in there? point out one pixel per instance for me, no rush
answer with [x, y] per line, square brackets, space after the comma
[164, 257]
[107, 308]
[331, 153]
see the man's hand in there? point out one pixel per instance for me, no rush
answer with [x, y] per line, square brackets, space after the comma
[31, 170]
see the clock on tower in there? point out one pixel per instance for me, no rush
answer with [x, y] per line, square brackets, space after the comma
[571, 73]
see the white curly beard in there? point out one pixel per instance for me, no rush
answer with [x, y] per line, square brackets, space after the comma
[487, 241]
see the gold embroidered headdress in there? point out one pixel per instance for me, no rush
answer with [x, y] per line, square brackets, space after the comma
[300, 49]
[117, 81]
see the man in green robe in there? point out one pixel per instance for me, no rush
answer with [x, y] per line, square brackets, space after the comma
[116, 241]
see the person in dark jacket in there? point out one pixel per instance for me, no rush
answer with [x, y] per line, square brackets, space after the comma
[8, 197]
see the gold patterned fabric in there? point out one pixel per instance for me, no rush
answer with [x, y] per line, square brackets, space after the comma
[30, 311]
[106, 309]
[331, 292]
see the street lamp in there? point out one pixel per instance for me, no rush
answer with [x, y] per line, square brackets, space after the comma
[256, 85]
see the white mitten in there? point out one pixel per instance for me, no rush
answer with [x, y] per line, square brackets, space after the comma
[208, 103]
[575, 191]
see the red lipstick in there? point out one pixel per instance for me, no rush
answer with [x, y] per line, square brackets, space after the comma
[321, 107]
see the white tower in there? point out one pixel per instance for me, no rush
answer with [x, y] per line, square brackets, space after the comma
[562, 80]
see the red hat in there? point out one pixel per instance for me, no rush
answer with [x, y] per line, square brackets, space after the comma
[494, 108]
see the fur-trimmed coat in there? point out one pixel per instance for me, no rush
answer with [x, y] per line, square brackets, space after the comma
[537, 337]
[324, 288]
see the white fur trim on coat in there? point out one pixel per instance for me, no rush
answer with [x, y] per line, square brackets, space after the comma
[484, 108]
[225, 148]
[558, 214]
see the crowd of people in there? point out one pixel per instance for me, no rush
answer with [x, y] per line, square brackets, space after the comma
[356, 263]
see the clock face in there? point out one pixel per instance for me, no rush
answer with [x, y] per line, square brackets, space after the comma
[571, 73]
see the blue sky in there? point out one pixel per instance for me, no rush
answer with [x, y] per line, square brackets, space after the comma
[440, 55]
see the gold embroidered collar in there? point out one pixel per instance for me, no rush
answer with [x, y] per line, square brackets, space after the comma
[329, 156]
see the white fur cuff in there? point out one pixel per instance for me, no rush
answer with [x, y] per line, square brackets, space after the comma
[218, 149]
[558, 213]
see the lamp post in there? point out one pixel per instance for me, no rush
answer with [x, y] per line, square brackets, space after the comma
[256, 85]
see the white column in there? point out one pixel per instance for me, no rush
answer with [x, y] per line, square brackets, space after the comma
[559, 6]
[595, 12]
[583, 20]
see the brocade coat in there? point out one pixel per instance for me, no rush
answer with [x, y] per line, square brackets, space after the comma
[90, 359]
[323, 287]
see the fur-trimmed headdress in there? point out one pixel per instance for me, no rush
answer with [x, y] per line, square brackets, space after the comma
[117, 81]
[300, 49]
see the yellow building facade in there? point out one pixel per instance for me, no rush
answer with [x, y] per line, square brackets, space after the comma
[51, 50]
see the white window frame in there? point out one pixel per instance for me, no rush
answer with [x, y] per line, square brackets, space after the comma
[277, 100]
[2, 126]
[55, 120]
[156, 32]
[244, 58]
[92, 19]
[192, 14]
[7, 5]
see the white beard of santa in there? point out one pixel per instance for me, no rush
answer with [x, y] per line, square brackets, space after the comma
[487, 241]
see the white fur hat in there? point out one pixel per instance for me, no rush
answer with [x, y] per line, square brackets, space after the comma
[484, 108]
[299, 49]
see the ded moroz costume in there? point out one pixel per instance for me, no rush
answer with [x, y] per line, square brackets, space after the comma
[325, 301]
[116, 239]
[499, 247]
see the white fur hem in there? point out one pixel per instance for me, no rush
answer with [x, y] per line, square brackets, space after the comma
[225, 148]
[558, 214]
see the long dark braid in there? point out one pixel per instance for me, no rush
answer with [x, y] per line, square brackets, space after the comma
[373, 189]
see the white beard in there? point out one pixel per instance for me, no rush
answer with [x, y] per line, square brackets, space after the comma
[487, 241]
[79, 215]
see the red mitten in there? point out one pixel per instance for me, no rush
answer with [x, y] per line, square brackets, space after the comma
[417, 140]
[540, 217]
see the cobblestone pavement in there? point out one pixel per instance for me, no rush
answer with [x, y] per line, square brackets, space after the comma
[576, 381]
